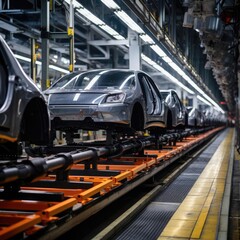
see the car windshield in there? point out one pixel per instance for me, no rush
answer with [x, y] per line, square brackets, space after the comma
[102, 80]
[64, 80]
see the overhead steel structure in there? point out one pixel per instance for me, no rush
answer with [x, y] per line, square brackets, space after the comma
[99, 39]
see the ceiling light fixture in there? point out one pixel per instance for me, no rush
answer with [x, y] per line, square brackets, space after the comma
[127, 20]
[204, 100]
[59, 69]
[95, 20]
[167, 74]
[158, 50]
[111, 4]
[27, 59]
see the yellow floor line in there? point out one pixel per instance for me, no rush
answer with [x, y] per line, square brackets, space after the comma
[236, 155]
[197, 216]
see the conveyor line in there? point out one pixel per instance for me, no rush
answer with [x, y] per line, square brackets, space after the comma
[190, 207]
[50, 205]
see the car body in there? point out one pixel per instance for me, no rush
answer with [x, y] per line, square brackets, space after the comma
[115, 99]
[210, 116]
[178, 114]
[214, 117]
[195, 117]
[24, 113]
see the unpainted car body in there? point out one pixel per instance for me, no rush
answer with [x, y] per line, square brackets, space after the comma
[114, 99]
[24, 114]
[214, 118]
[195, 117]
[178, 116]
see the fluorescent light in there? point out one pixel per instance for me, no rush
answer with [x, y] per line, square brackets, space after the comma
[176, 67]
[160, 69]
[158, 50]
[127, 20]
[95, 20]
[87, 14]
[58, 69]
[111, 31]
[74, 2]
[110, 4]
[26, 59]
[167, 59]
[146, 38]
[204, 100]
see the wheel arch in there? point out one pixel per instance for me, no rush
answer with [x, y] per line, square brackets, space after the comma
[137, 117]
[35, 123]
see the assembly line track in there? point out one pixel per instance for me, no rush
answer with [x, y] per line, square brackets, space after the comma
[64, 193]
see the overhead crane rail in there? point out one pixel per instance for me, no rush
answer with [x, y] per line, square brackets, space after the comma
[45, 196]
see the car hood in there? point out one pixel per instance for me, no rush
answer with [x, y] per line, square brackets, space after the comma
[76, 97]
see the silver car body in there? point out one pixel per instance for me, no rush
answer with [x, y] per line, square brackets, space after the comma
[195, 117]
[24, 114]
[107, 99]
[178, 117]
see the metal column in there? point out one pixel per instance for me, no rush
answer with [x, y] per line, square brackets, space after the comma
[33, 59]
[161, 12]
[195, 101]
[71, 36]
[134, 50]
[173, 22]
[45, 43]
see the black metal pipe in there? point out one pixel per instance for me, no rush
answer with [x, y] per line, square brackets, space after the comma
[28, 170]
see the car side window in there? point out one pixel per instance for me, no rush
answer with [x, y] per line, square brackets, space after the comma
[128, 83]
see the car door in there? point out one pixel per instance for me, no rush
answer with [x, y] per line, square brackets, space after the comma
[147, 93]
[157, 99]
[178, 107]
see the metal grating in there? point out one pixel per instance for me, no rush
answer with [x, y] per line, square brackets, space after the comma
[153, 219]
[196, 168]
[150, 222]
[175, 193]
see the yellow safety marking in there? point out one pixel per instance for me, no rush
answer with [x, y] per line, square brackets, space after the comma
[70, 31]
[202, 217]
[236, 155]
[197, 216]
[70, 67]
[48, 83]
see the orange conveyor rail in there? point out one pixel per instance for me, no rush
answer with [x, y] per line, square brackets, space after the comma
[25, 218]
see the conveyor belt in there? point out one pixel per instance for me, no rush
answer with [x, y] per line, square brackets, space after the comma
[153, 219]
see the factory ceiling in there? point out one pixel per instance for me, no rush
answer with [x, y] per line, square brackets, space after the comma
[204, 32]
